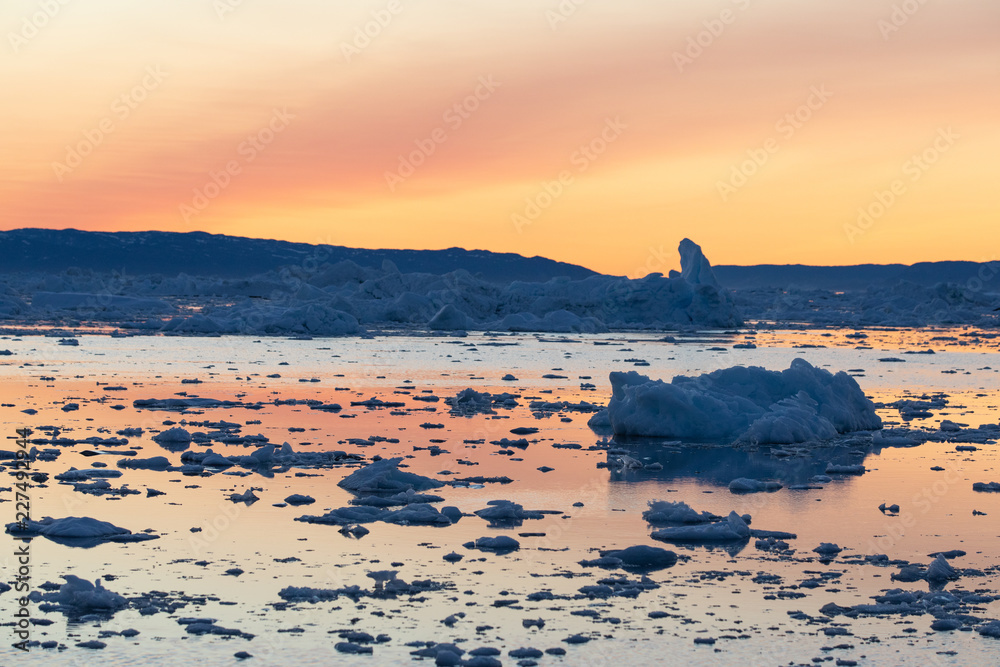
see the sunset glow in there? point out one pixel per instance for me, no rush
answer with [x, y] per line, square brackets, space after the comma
[590, 131]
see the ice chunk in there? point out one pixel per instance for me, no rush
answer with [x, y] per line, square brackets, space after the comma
[694, 265]
[643, 558]
[449, 318]
[154, 463]
[940, 570]
[506, 513]
[500, 544]
[986, 486]
[403, 498]
[385, 477]
[417, 514]
[745, 485]
[828, 549]
[469, 402]
[346, 516]
[847, 469]
[668, 512]
[732, 528]
[78, 597]
[76, 531]
[248, 497]
[742, 404]
[176, 435]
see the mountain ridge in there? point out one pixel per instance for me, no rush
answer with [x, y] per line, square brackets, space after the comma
[196, 253]
[34, 250]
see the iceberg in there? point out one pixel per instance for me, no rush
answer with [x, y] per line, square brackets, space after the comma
[742, 404]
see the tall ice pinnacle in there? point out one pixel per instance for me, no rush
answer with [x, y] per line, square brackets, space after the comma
[694, 265]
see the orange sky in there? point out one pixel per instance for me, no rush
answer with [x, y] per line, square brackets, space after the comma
[117, 114]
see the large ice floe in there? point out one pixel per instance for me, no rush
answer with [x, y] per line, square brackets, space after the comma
[741, 404]
[381, 485]
[78, 596]
[76, 531]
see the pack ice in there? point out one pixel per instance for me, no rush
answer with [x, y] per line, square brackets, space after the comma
[742, 404]
[345, 298]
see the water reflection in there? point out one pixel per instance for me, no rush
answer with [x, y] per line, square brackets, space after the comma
[719, 465]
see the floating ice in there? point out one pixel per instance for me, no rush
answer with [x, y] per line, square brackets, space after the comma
[745, 485]
[828, 549]
[248, 497]
[740, 403]
[407, 497]
[940, 570]
[732, 528]
[500, 544]
[642, 558]
[670, 512]
[74, 475]
[507, 513]
[154, 463]
[391, 588]
[416, 514]
[76, 531]
[986, 487]
[385, 477]
[181, 404]
[848, 469]
[173, 436]
[470, 402]
[78, 597]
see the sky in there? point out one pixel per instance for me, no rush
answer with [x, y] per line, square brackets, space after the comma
[597, 132]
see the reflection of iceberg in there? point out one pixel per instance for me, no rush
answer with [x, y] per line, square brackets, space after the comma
[796, 468]
[742, 404]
